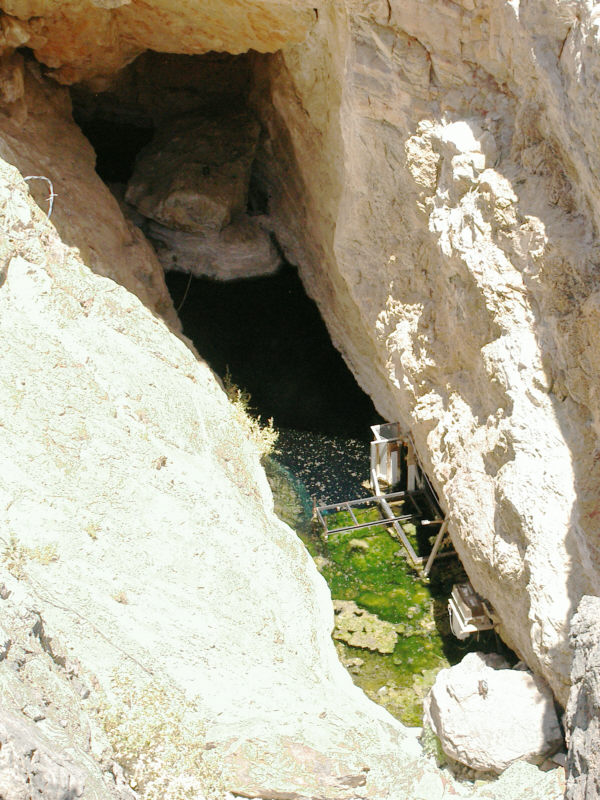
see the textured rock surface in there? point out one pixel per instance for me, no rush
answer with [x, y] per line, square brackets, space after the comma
[50, 746]
[583, 710]
[193, 181]
[242, 250]
[38, 136]
[488, 716]
[161, 586]
[94, 39]
[434, 171]
[360, 628]
[195, 173]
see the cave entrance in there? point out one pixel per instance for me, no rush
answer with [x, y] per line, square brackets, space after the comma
[177, 139]
[180, 142]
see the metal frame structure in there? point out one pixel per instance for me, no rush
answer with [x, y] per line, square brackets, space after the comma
[385, 467]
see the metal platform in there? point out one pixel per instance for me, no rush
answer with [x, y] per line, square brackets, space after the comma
[383, 503]
[393, 455]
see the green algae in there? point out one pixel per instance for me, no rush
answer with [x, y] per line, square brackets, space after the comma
[370, 567]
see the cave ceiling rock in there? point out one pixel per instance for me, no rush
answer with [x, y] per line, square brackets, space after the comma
[81, 40]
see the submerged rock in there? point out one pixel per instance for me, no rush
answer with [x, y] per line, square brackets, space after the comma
[488, 716]
[360, 628]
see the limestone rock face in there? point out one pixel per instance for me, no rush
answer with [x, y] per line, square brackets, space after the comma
[583, 710]
[488, 716]
[140, 527]
[434, 171]
[28, 768]
[82, 40]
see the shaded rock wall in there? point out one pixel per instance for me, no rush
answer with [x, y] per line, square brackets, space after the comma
[583, 710]
[437, 189]
[39, 137]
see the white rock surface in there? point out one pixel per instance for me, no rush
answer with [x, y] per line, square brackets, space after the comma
[434, 171]
[242, 250]
[488, 716]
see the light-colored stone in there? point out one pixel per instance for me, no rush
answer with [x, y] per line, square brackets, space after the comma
[487, 716]
[360, 628]
[583, 710]
[242, 250]
[5, 643]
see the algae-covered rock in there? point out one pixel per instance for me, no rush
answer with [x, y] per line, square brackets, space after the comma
[360, 628]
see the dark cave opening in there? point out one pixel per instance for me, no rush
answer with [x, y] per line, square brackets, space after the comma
[116, 144]
[272, 339]
[264, 330]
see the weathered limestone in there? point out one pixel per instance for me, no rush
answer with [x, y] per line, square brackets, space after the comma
[94, 39]
[583, 710]
[242, 250]
[434, 171]
[488, 716]
[193, 181]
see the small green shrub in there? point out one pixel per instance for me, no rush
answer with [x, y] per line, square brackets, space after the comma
[264, 437]
[15, 556]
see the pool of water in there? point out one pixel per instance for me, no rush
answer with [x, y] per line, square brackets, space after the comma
[269, 336]
[370, 568]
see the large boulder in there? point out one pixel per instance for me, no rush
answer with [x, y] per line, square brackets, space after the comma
[583, 710]
[488, 716]
[192, 183]
[194, 175]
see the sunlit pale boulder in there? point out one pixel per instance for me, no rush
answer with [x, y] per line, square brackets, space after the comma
[488, 716]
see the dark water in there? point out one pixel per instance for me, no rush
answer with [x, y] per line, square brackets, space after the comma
[271, 337]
